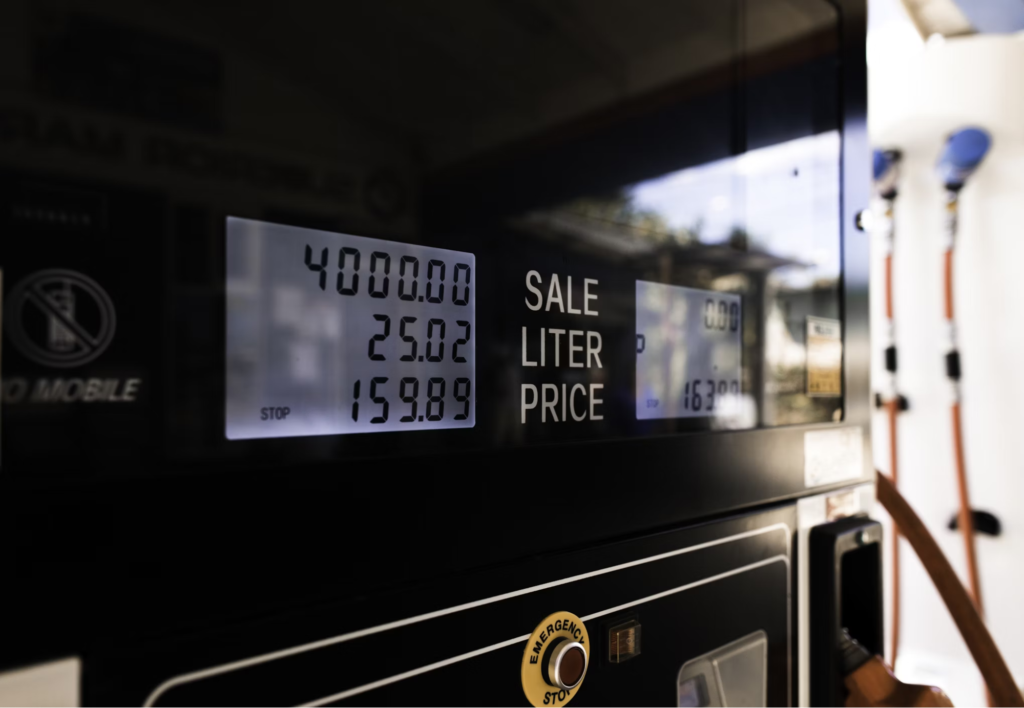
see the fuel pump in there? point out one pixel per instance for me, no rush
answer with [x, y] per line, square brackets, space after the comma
[460, 353]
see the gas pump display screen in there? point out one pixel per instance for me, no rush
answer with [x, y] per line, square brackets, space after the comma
[688, 352]
[331, 334]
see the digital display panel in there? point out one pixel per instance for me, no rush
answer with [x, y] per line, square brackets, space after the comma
[331, 333]
[689, 351]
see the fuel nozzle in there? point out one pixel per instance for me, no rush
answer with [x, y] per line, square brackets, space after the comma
[871, 682]
[885, 172]
[962, 154]
[853, 654]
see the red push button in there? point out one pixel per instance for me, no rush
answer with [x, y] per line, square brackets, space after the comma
[567, 665]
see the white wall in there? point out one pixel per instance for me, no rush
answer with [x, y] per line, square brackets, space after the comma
[918, 94]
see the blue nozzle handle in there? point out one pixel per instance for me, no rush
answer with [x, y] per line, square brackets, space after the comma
[881, 164]
[963, 152]
[885, 164]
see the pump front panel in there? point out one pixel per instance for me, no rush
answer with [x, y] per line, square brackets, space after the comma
[647, 614]
[305, 306]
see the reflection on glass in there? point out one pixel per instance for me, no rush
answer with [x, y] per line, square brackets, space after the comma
[763, 226]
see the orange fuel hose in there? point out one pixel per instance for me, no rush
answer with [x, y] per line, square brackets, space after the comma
[965, 516]
[966, 520]
[892, 407]
[948, 281]
[1000, 682]
[888, 287]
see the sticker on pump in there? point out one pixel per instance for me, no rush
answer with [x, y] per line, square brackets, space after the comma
[824, 357]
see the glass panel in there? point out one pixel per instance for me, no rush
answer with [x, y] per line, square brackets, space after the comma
[735, 674]
[572, 149]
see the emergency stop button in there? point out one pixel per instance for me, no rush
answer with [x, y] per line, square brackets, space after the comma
[567, 664]
[555, 660]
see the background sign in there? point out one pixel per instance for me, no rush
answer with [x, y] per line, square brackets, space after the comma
[60, 318]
